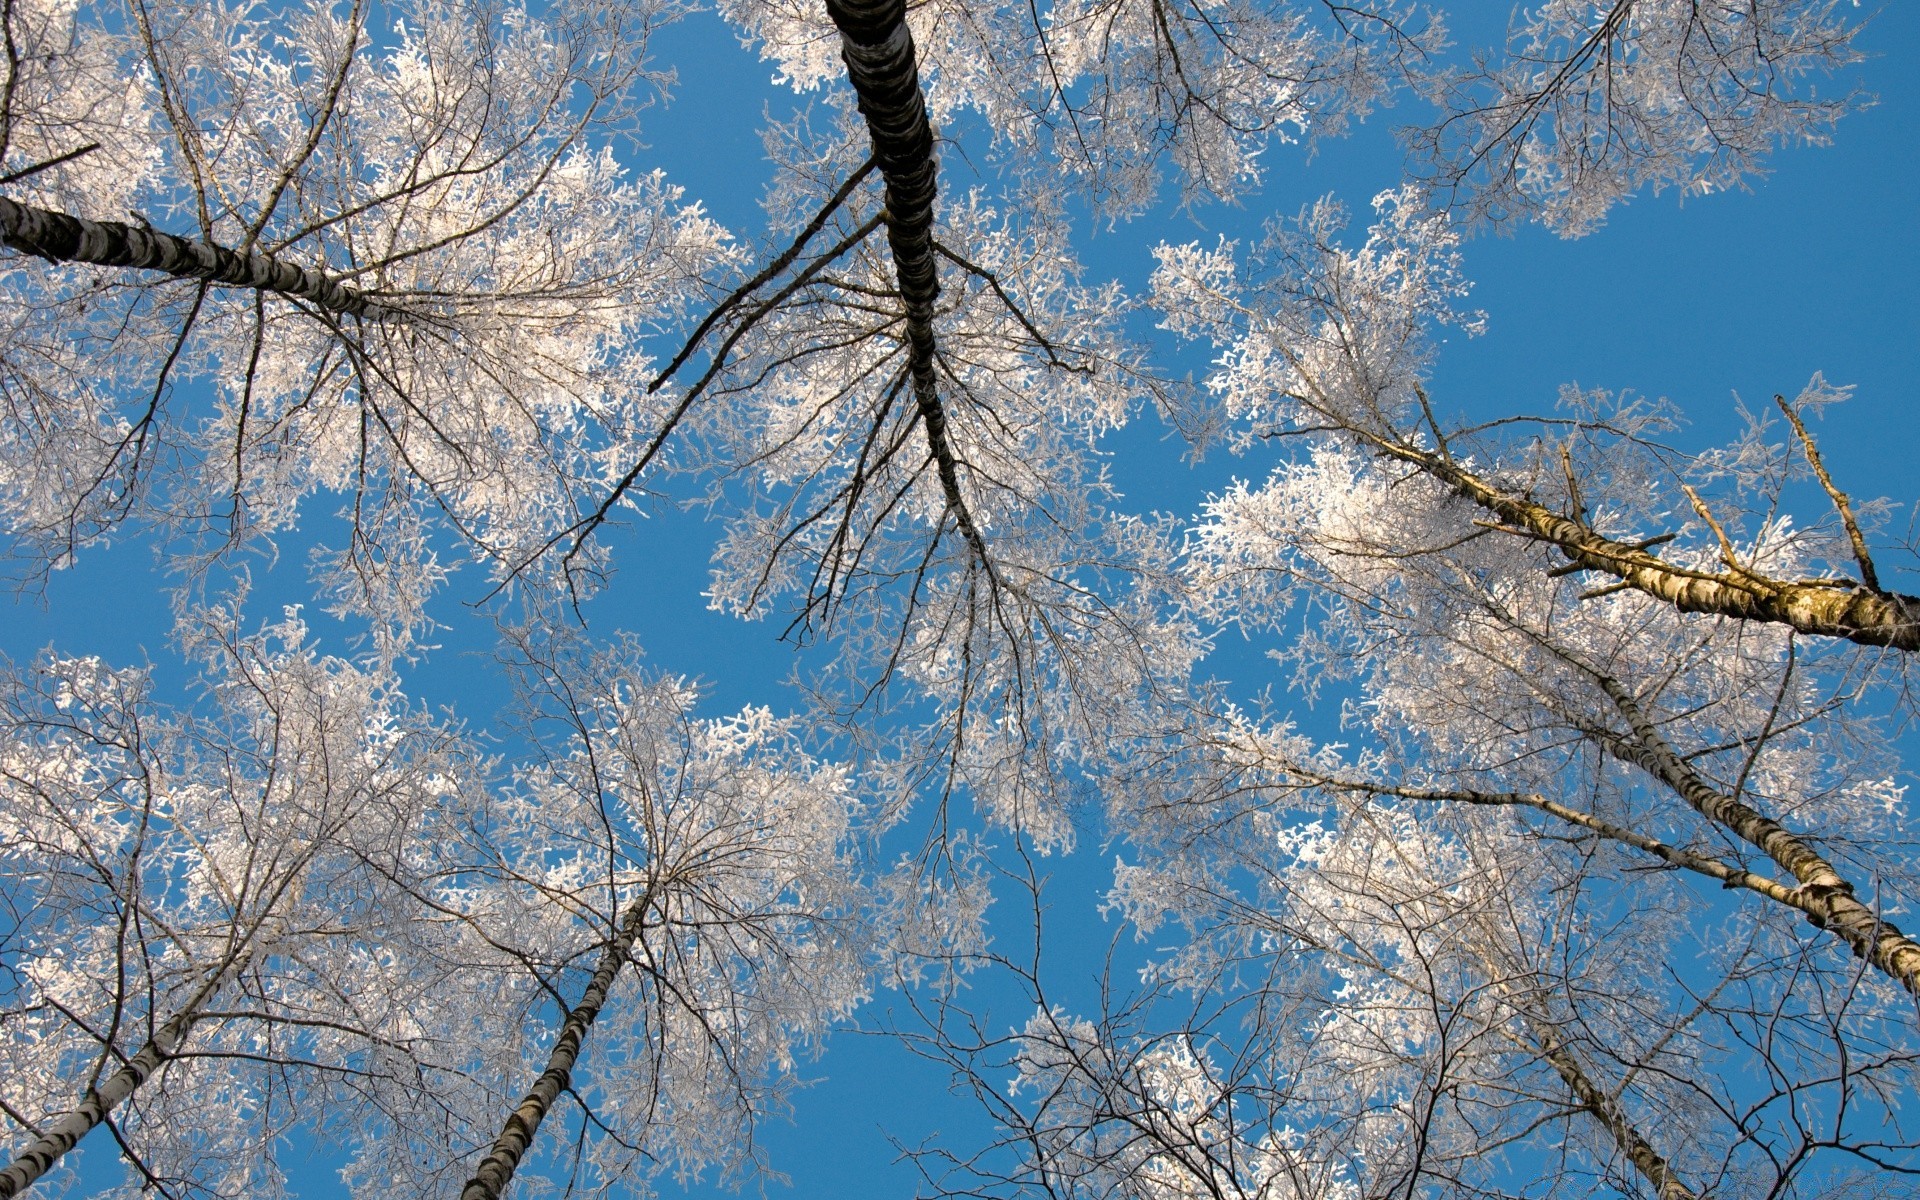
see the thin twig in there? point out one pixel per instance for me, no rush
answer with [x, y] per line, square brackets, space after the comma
[773, 268]
[1840, 500]
[36, 168]
[993, 282]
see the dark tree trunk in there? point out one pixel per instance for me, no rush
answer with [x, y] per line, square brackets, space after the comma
[491, 1177]
[62, 238]
[878, 50]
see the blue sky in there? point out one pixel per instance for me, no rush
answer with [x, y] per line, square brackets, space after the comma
[1817, 268]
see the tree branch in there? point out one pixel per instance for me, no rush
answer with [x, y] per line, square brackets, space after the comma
[61, 238]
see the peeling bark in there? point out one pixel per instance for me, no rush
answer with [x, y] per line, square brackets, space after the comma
[61, 238]
[1856, 612]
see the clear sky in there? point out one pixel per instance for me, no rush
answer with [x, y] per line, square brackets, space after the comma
[1817, 268]
[1813, 270]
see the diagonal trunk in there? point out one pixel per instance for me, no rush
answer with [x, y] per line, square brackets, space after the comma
[878, 50]
[38, 1157]
[62, 238]
[1856, 612]
[1603, 1107]
[490, 1179]
[1524, 997]
[1829, 900]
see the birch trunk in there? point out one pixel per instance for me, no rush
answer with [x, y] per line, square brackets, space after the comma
[1829, 900]
[1856, 612]
[62, 238]
[1604, 1108]
[39, 1156]
[878, 50]
[490, 1179]
[1543, 1038]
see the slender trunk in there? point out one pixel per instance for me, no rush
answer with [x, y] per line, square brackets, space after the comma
[1856, 612]
[38, 1156]
[878, 50]
[59, 237]
[1725, 873]
[490, 1179]
[1603, 1107]
[1527, 1002]
[1829, 899]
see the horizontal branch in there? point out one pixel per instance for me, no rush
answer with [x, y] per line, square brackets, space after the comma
[1826, 899]
[62, 238]
[1724, 873]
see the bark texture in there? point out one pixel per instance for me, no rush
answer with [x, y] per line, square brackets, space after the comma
[878, 50]
[38, 1156]
[1824, 895]
[61, 238]
[1854, 611]
[490, 1179]
[1603, 1107]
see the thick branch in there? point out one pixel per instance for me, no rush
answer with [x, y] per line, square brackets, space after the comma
[1542, 1036]
[766, 273]
[1862, 613]
[1841, 502]
[1829, 899]
[59, 237]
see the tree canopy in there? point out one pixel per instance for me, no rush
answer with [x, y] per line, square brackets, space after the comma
[1492, 795]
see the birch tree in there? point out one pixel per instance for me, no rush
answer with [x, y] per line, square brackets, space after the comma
[327, 927]
[680, 911]
[1610, 712]
[1541, 732]
[195, 903]
[401, 255]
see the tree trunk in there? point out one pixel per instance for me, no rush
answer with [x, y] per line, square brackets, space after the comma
[59, 237]
[1541, 1036]
[1829, 899]
[38, 1157]
[878, 50]
[1604, 1108]
[1856, 612]
[490, 1179]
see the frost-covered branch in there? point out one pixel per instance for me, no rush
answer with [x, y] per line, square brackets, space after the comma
[1857, 611]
